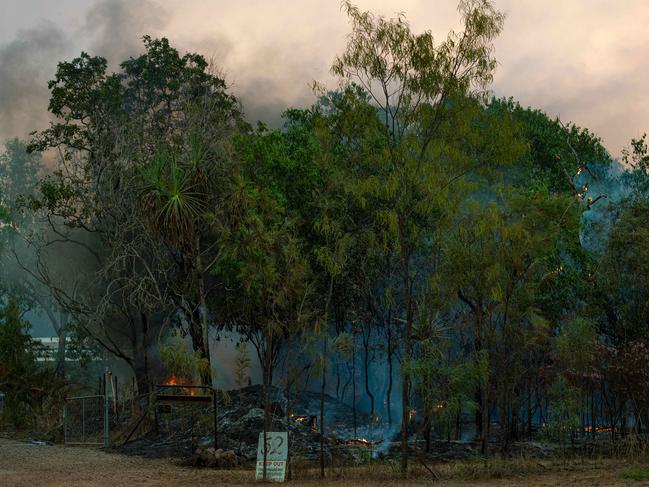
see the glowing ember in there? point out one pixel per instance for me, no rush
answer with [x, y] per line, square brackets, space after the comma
[599, 429]
[312, 421]
[173, 381]
[359, 442]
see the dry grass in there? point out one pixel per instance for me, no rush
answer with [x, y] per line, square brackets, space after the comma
[23, 464]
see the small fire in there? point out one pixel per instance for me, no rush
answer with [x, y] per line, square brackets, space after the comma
[359, 442]
[173, 381]
[411, 413]
[312, 421]
[598, 429]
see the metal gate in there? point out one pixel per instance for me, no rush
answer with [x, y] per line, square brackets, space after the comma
[85, 420]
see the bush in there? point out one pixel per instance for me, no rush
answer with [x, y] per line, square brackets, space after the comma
[32, 394]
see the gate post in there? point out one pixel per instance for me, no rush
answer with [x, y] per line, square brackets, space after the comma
[215, 420]
[65, 421]
[106, 409]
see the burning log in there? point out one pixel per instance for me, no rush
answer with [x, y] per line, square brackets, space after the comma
[363, 442]
[311, 421]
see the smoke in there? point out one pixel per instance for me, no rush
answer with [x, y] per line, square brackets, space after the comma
[117, 26]
[26, 63]
[608, 184]
[112, 29]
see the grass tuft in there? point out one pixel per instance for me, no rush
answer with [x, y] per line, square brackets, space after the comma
[636, 473]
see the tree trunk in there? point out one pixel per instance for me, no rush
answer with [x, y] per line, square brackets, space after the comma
[140, 363]
[204, 325]
[366, 365]
[485, 416]
[268, 378]
[354, 389]
[407, 346]
[62, 334]
[389, 391]
[322, 406]
[324, 375]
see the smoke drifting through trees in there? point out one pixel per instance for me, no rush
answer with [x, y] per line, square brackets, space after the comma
[430, 216]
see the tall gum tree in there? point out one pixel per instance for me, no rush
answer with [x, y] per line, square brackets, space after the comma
[417, 86]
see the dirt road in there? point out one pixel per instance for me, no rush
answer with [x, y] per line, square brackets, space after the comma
[24, 464]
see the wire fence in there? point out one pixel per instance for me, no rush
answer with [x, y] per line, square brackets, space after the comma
[106, 418]
[84, 420]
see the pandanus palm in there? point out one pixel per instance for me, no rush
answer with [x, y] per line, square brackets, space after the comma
[174, 194]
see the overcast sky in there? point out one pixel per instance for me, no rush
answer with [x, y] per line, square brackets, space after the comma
[584, 60]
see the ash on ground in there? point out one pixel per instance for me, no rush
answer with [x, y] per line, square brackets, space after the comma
[181, 430]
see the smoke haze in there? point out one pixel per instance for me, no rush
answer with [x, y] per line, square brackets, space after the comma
[583, 61]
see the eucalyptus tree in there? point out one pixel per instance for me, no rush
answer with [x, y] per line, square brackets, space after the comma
[418, 88]
[499, 258]
[621, 288]
[266, 273]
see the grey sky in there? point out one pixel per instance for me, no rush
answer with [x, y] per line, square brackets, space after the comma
[581, 59]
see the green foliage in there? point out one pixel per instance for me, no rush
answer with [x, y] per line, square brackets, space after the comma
[174, 192]
[180, 360]
[555, 152]
[622, 286]
[403, 204]
[19, 172]
[24, 382]
[637, 158]
[445, 382]
[636, 473]
[575, 345]
[564, 410]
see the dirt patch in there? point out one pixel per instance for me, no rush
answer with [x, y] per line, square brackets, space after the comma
[25, 464]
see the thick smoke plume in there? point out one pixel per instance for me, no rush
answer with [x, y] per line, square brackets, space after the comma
[112, 28]
[26, 63]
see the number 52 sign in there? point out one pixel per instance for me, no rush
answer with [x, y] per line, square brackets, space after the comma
[276, 448]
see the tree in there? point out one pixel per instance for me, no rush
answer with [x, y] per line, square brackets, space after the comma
[144, 153]
[558, 154]
[263, 267]
[23, 381]
[497, 261]
[419, 90]
[621, 287]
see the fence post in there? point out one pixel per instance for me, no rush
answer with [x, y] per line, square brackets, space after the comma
[65, 422]
[215, 419]
[106, 409]
[83, 420]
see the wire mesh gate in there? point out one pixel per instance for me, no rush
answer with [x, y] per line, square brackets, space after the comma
[85, 420]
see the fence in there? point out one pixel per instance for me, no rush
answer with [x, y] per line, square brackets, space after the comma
[85, 420]
[96, 419]
[185, 416]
